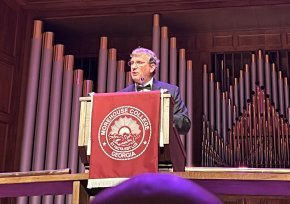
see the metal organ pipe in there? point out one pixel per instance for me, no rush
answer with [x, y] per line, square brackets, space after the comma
[257, 126]
[102, 65]
[173, 61]
[156, 38]
[164, 54]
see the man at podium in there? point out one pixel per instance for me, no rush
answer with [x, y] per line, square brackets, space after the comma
[144, 63]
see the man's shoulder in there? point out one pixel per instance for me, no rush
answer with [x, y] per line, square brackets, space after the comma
[165, 85]
[131, 87]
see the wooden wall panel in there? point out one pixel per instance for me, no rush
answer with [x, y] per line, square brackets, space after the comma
[9, 84]
[6, 79]
[204, 41]
[257, 40]
[288, 38]
[223, 41]
[8, 23]
[273, 39]
[3, 138]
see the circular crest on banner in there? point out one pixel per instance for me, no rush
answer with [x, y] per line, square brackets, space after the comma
[125, 133]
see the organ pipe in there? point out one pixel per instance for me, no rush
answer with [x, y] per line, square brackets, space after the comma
[274, 85]
[182, 80]
[173, 61]
[73, 144]
[253, 73]
[205, 91]
[189, 98]
[31, 97]
[247, 82]
[156, 38]
[218, 107]
[164, 54]
[267, 75]
[120, 74]
[43, 102]
[54, 113]
[224, 116]
[257, 135]
[42, 106]
[128, 78]
[102, 65]
[236, 93]
[211, 101]
[281, 93]
[241, 91]
[87, 87]
[112, 67]
[182, 73]
[260, 68]
[54, 108]
[65, 115]
[286, 95]
[31, 101]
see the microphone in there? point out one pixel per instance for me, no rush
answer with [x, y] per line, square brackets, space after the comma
[142, 81]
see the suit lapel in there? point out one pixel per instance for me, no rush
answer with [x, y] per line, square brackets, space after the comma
[132, 87]
[155, 85]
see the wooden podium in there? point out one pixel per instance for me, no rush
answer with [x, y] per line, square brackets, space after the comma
[49, 182]
[171, 150]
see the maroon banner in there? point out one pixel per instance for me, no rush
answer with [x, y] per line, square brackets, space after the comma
[125, 130]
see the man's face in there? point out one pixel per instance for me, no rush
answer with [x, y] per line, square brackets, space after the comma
[140, 68]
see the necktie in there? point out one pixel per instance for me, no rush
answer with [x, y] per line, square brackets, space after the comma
[143, 88]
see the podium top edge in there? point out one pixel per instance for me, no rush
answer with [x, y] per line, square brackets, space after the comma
[88, 98]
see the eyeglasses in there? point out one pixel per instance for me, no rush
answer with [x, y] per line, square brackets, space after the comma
[137, 63]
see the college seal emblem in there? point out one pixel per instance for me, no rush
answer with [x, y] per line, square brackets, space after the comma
[125, 133]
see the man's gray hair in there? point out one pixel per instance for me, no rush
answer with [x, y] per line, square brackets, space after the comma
[152, 56]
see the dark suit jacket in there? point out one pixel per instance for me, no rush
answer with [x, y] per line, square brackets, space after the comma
[180, 113]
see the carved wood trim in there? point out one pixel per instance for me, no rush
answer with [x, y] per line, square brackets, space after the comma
[139, 5]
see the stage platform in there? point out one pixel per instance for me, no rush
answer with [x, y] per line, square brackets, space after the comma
[221, 181]
[241, 181]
